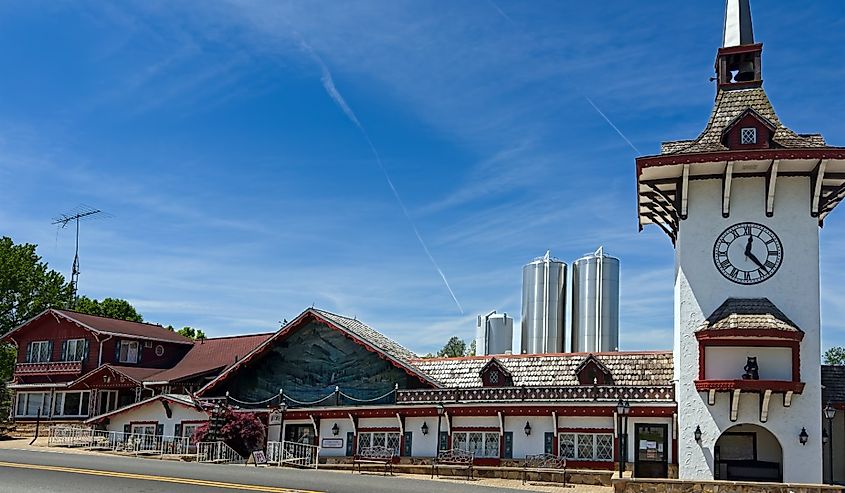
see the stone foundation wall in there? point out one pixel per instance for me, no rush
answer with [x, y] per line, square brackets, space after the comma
[629, 485]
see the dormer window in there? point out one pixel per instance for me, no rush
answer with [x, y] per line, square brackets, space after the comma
[748, 136]
[128, 352]
[494, 374]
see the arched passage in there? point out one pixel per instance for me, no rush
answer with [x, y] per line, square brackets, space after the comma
[748, 453]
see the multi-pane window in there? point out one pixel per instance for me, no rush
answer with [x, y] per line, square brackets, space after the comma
[39, 352]
[748, 135]
[30, 402]
[586, 446]
[387, 439]
[108, 401]
[71, 404]
[144, 429]
[478, 443]
[128, 352]
[188, 430]
[74, 349]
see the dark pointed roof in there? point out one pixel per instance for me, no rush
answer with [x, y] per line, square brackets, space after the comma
[748, 314]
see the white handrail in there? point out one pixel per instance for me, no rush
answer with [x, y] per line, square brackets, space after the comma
[293, 454]
[217, 453]
[118, 441]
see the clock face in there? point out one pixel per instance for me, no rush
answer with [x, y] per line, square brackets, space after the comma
[748, 253]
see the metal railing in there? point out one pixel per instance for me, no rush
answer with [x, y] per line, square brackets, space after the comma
[217, 453]
[118, 441]
[293, 454]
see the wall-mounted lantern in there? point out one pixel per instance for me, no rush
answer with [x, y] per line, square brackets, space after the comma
[424, 428]
[803, 436]
[697, 433]
[335, 429]
[527, 428]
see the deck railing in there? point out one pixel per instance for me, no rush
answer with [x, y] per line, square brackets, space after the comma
[118, 441]
[217, 453]
[293, 454]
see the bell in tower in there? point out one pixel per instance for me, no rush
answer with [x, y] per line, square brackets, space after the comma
[739, 59]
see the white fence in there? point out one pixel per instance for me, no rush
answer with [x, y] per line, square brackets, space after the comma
[292, 454]
[117, 441]
[217, 453]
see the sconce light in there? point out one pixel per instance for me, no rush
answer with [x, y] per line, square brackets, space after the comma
[803, 436]
[527, 428]
[424, 428]
[335, 429]
[697, 433]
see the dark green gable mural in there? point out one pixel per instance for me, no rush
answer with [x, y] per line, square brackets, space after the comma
[309, 363]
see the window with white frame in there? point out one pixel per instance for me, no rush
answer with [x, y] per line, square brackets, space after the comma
[586, 446]
[389, 439]
[29, 403]
[74, 349]
[128, 352]
[107, 401]
[39, 352]
[478, 443]
[748, 135]
[71, 403]
[188, 430]
[144, 429]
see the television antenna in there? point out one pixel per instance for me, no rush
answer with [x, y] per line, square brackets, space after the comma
[81, 211]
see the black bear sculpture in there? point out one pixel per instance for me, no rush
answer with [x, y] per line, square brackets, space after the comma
[752, 371]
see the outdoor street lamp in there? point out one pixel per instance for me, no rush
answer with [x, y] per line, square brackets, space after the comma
[697, 433]
[803, 436]
[424, 428]
[623, 409]
[527, 428]
[440, 411]
[829, 414]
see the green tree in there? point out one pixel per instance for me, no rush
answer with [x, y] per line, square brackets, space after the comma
[454, 348]
[27, 287]
[835, 356]
[109, 307]
[192, 333]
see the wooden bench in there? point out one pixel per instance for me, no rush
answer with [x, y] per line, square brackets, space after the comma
[374, 455]
[453, 459]
[544, 463]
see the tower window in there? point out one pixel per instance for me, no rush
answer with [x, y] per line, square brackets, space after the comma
[748, 136]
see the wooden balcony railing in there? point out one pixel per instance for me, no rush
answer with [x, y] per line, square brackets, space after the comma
[561, 393]
[49, 368]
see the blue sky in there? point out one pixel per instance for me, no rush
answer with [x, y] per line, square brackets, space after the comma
[222, 137]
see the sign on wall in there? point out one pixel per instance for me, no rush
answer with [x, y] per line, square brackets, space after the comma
[275, 418]
[332, 443]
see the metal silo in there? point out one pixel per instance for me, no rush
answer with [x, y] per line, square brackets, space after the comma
[494, 334]
[543, 305]
[595, 303]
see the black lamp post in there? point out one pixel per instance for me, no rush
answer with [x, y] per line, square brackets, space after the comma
[440, 410]
[829, 414]
[623, 409]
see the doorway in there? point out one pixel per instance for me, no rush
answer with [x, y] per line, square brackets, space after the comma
[748, 453]
[651, 451]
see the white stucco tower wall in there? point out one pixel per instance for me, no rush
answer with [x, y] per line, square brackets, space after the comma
[700, 289]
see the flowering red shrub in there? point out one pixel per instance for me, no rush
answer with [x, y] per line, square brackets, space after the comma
[244, 432]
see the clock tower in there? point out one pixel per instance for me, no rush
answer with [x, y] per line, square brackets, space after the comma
[743, 203]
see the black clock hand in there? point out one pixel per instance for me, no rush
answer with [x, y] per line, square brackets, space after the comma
[756, 261]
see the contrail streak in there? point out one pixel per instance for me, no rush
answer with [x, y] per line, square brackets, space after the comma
[331, 89]
[612, 125]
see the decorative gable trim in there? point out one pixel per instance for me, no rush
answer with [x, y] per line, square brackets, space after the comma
[591, 371]
[495, 374]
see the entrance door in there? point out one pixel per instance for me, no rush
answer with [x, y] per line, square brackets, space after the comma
[651, 451]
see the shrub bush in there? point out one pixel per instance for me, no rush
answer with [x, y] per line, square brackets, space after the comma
[242, 431]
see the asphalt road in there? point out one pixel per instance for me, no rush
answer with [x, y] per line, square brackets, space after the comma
[23, 471]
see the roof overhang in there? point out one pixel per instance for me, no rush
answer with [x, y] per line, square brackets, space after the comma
[161, 397]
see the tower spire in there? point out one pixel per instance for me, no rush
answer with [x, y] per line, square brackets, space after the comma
[738, 29]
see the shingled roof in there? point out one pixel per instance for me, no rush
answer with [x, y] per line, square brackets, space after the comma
[627, 368]
[369, 335]
[748, 313]
[730, 105]
[833, 384]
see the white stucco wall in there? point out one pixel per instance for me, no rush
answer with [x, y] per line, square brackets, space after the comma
[700, 289]
[532, 444]
[344, 426]
[423, 445]
[154, 411]
[727, 363]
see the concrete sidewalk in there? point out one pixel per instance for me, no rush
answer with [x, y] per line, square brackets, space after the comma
[40, 445]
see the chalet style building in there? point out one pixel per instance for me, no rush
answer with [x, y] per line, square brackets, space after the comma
[72, 366]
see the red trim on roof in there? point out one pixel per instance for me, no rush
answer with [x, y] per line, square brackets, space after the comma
[741, 155]
[753, 334]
